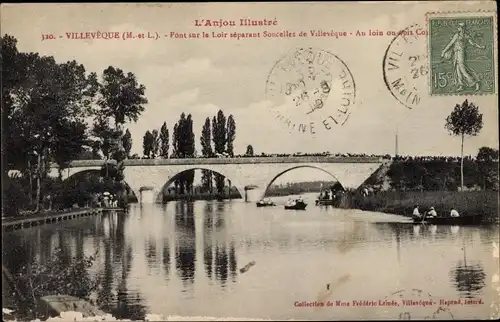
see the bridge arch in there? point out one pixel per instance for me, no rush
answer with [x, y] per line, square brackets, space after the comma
[294, 168]
[253, 173]
[97, 173]
[239, 187]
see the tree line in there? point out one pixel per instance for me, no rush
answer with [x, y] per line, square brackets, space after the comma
[46, 108]
[216, 138]
[442, 174]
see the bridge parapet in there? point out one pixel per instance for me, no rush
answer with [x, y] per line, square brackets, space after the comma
[241, 160]
[248, 171]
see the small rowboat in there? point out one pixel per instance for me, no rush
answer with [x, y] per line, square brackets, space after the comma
[462, 220]
[265, 203]
[297, 205]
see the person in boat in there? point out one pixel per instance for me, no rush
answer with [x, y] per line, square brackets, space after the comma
[416, 212]
[327, 195]
[431, 213]
[299, 199]
[454, 213]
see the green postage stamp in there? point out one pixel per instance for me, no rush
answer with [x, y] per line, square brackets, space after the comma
[462, 53]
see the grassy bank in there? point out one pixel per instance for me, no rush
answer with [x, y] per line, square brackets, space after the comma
[402, 203]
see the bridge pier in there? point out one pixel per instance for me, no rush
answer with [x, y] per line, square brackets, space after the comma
[147, 196]
[253, 194]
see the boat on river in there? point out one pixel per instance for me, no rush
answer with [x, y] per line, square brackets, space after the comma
[328, 197]
[296, 205]
[265, 203]
[462, 220]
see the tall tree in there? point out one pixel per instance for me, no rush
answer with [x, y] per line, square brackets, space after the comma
[206, 139]
[220, 139]
[70, 137]
[127, 142]
[190, 138]
[465, 119]
[231, 135]
[180, 136]
[121, 96]
[155, 144]
[219, 132]
[121, 99]
[190, 152]
[184, 146]
[175, 141]
[249, 151]
[164, 138]
[14, 75]
[147, 144]
[206, 151]
[107, 137]
[38, 93]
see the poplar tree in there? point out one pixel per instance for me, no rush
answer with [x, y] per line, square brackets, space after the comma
[206, 150]
[164, 138]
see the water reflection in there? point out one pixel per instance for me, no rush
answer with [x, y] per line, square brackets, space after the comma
[166, 261]
[185, 248]
[454, 229]
[468, 276]
[412, 231]
[416, 230]
[208, 241]
[468, 279]
[219, 255]
[114, 296]
[190, 253]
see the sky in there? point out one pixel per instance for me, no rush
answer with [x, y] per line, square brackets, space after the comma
[201, 76]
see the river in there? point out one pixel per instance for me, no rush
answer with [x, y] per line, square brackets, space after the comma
[184, 259]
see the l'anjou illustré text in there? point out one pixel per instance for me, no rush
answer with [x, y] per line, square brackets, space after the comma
[243, 22]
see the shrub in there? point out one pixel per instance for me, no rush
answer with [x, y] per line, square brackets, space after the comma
[14, 197]
[60, 275]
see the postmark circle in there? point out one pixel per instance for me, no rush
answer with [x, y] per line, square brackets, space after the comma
[405, 66]
[312, 90]
[417, 304]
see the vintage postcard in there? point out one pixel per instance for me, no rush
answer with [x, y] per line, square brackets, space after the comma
[250, 161]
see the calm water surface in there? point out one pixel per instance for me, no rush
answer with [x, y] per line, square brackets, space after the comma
[185, 259]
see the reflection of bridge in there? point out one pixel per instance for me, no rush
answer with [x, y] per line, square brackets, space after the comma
[258, 172]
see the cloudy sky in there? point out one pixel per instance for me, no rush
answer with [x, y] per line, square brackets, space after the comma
[201, 76]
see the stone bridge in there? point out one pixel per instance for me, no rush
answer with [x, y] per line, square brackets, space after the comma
[258, 172]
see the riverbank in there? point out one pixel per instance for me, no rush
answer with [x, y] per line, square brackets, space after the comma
[402, 203]
[234, 195]
[297, 188]
[39, 218]
[290, 192]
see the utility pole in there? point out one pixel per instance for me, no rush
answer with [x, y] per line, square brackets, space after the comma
[396, 144]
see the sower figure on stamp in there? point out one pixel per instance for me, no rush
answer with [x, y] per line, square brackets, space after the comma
[455, 50]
